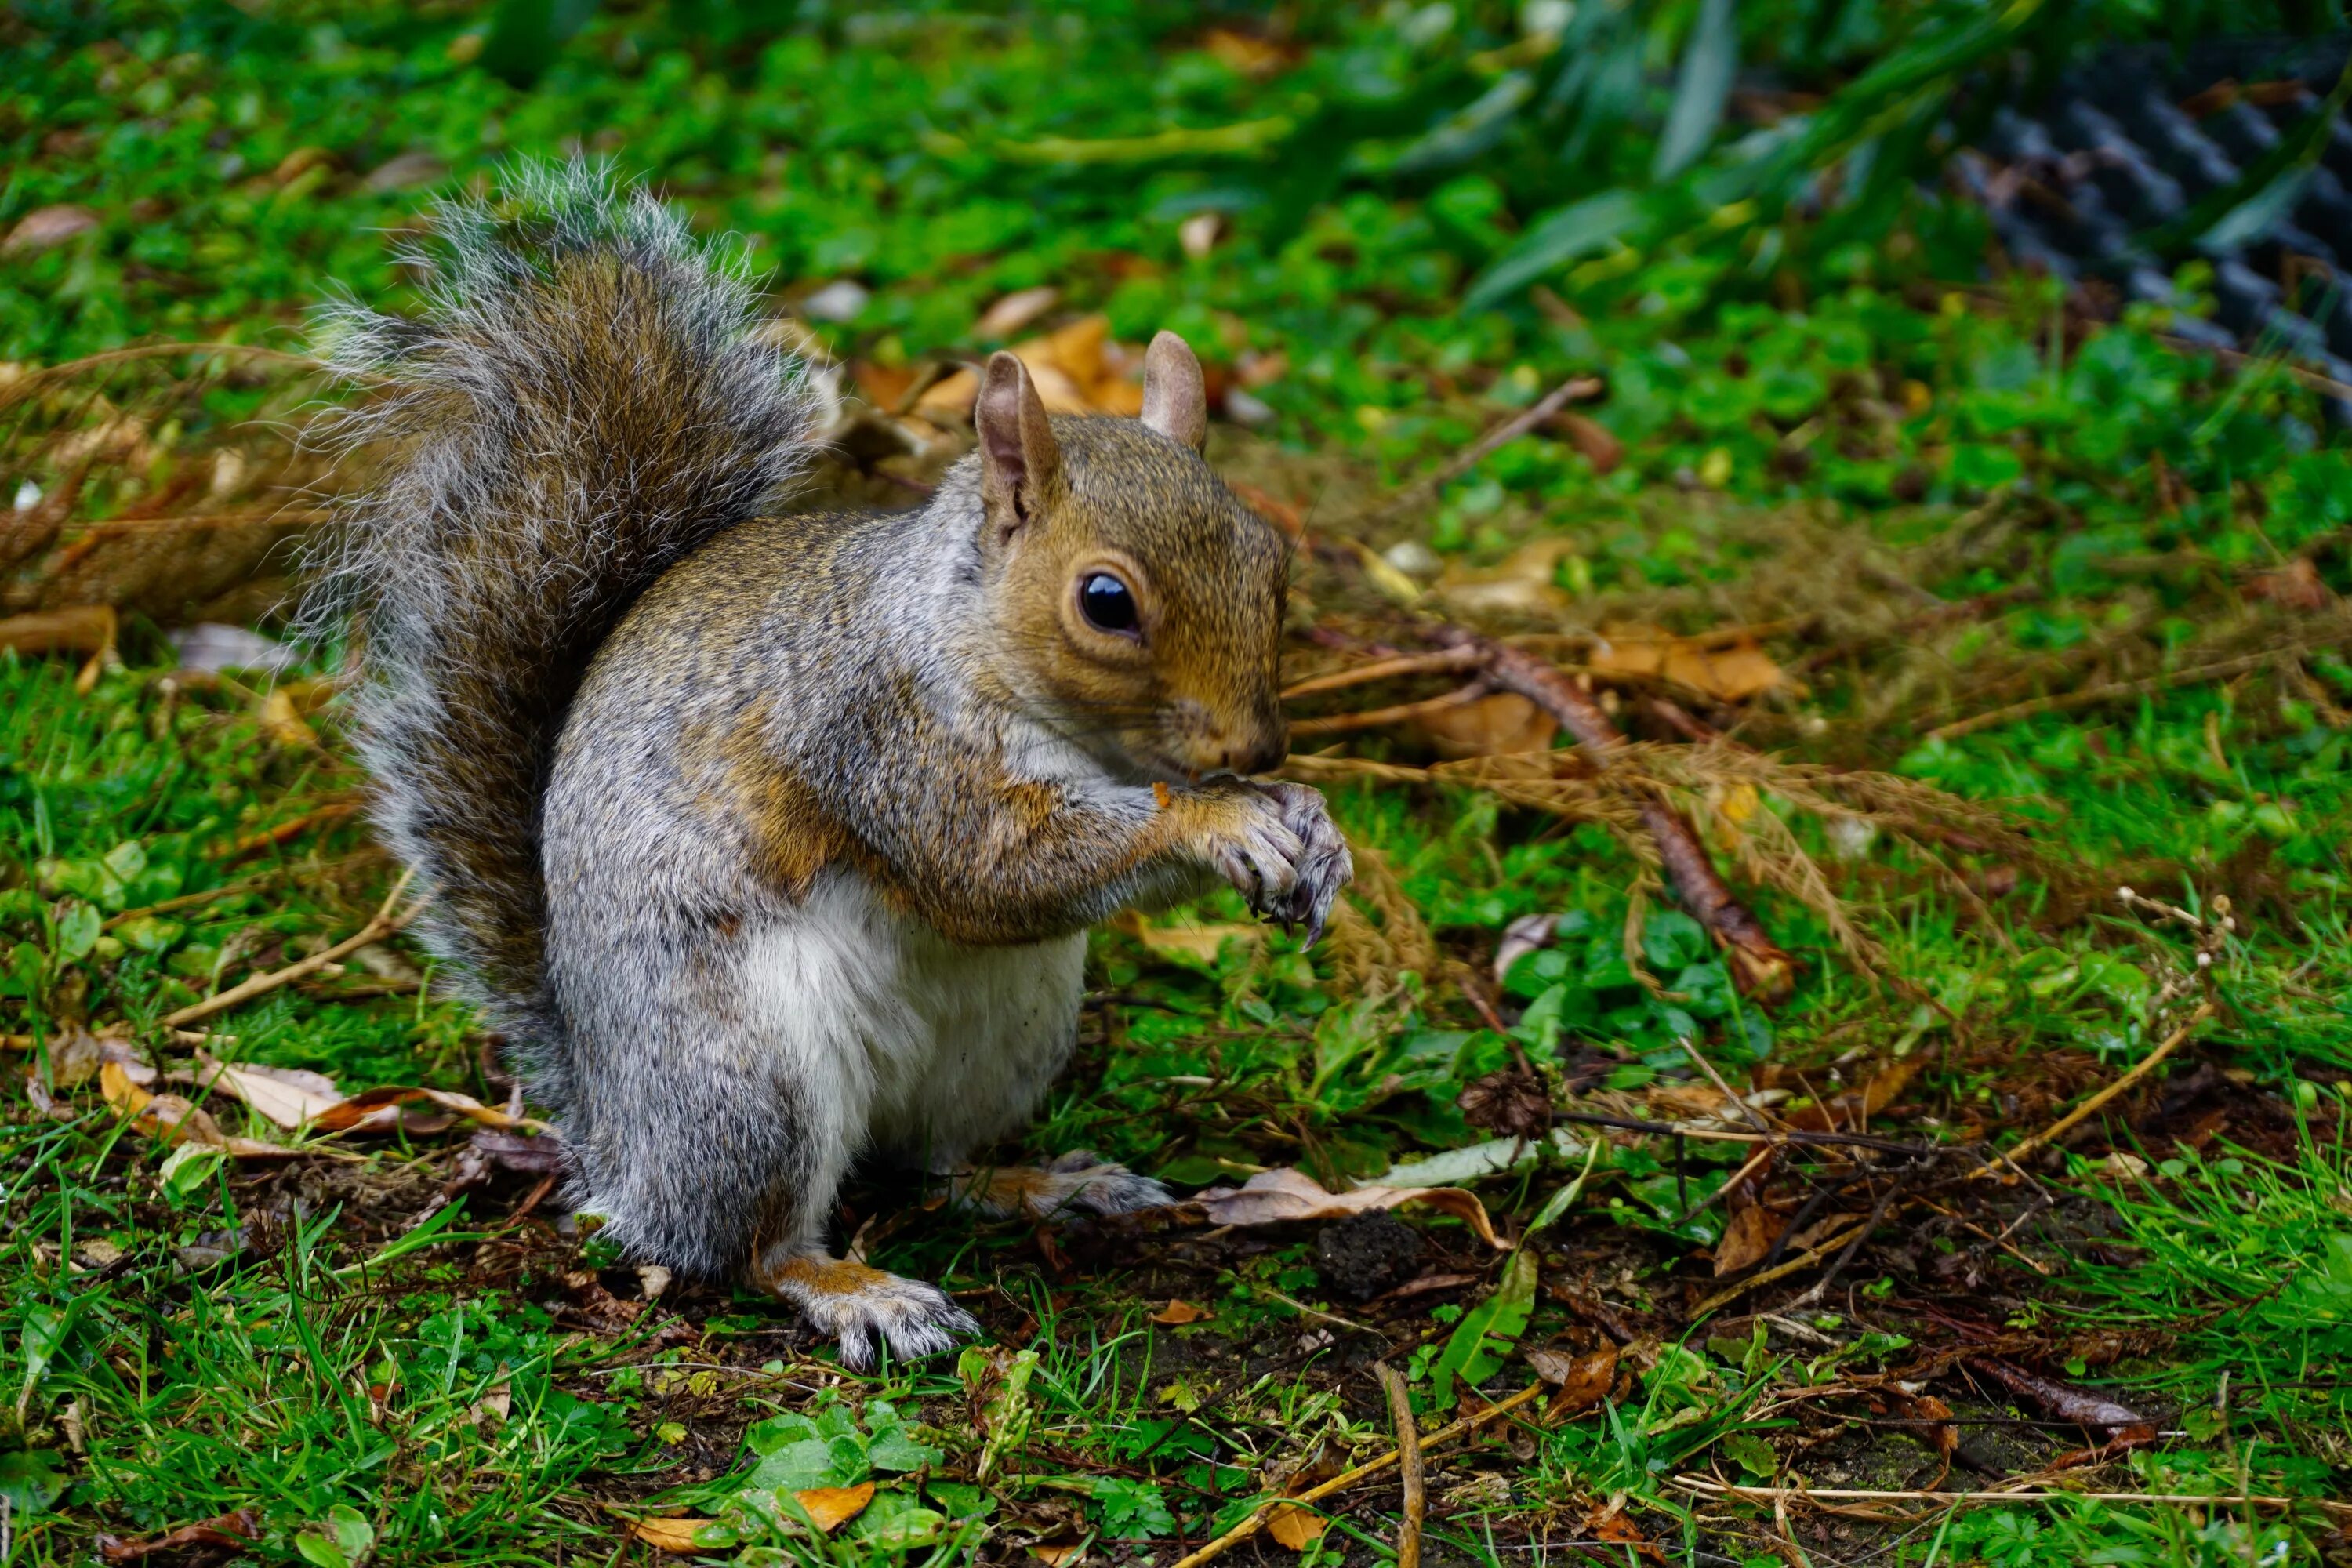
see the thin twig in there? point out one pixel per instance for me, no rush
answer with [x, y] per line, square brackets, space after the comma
[2310, 379]
[1748, 1169]
[193, 901]
[1797, 1265]
[1760, 965]
[1862, 1233]
[1733, 1135]
[1439, 663]
[1754, 1117]
[1713, 1487]
[1264, 1510]
[2107, 691]
[287, 516]
[293, 827]
[2067, 1123]
[2002, 1242]
[1574, 389]
[1402, 713]
[1409, 1465]
[1317, 1313]
[25, 386]
[381, 925]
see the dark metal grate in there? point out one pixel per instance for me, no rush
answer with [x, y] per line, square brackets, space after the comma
[2132, 143]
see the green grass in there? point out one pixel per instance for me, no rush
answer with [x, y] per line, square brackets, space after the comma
[320, 1340]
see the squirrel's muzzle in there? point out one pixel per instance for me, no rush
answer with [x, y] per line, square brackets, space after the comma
[1261, 752]
[1200, 741]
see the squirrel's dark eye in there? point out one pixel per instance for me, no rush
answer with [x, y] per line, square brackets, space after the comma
[1108, 606]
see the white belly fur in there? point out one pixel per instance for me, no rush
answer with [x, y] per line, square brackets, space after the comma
[901, 1039]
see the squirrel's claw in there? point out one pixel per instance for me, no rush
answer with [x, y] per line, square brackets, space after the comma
[1323, 867]
[1288, 860]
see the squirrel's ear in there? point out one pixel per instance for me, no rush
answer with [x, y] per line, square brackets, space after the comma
[1175, 402]
[1018, 461]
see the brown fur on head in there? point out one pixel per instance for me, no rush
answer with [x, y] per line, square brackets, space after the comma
[1191, 686]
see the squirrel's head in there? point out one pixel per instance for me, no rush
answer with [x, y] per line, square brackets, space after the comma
[1138, 602]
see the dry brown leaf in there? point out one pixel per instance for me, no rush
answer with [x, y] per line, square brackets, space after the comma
[669, 1534]
[76, 1059]
[1601, 449]
[497, 1401]
[300, 161]
[379, 1110]
[1247, 53]
[1728, 668]
[882, 386]
[1296, 1527]
[1934, 1416]
[1202, 943]
[83, 628]
[406, 170]
[282, 724]
[1822, 1230]
[1074, 368]
[949, 400]
[1286, 1195]
[1525, 582]
[1080, 353]
[1177, 1312]
[604, 1312]
[295, 1099]
[231, 1531]
[1057, 1554]
[44, 226]
[171, 1118]
[1733, 674]
[1197, 235]
[1496, 725]
[1269, 506]
[1612, 1525]
[2294, 587]
[519, 1152]
[1690, 1102]
[830, 1507]
[1016, 310]
[286, 1096]
[2064, 1401]
[1584, 1379]
[1850, 1112]
[122, 438]
[1254, 369]
[1745, 1240]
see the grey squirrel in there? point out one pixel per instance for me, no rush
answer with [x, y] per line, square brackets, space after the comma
[768, 839]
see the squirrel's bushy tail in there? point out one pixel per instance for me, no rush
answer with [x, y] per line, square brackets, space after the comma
[585, 398]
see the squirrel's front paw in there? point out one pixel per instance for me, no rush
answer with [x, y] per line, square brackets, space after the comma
[1280, 849]
[1253, 847]
[865, 1308]
[1324, 865]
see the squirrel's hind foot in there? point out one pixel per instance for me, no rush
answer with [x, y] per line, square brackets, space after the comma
[1078, 1181]
[865, 1308]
